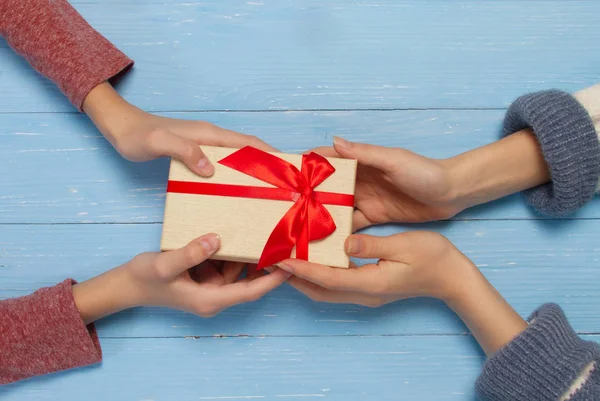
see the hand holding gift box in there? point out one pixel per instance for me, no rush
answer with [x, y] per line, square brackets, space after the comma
[266, 207]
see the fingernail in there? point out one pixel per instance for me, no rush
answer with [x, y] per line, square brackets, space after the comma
[210, 243]
[270, 269]
[285, 267]
[341, 142]
[205, 166]
[353, 245]
[288, 275]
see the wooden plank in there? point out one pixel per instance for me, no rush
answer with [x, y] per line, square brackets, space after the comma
[295, 368]
[530, 262]
[58, 169]
[274, 55]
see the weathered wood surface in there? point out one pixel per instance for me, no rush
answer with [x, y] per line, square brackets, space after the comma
[431, 76]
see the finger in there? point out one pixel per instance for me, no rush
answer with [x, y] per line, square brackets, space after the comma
[166, 143]
[314, 291]
[325, 151]
[209, 273]
[369, 155]
[369, 246]
[249, 291]
[332, 278]
[320, 294]
[172, 263]
[203, 271]
[232, 271]
[359, 220]
[254, 267]
[253, 272]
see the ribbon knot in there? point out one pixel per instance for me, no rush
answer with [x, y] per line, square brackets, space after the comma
[307, 220]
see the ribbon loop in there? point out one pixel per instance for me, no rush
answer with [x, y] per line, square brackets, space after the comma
[266, 167]
[316, 169]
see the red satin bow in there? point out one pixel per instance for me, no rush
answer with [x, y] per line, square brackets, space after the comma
[307, 220]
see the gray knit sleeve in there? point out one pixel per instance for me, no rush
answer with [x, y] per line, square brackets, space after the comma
[542, 363]
[570, 146]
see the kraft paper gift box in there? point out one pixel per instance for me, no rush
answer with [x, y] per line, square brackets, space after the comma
[272, 216]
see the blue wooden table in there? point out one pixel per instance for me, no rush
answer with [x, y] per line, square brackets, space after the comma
[431, 76]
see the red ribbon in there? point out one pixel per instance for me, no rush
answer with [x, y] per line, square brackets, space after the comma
[307, 220]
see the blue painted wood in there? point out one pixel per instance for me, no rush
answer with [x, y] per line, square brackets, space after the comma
[270, 369]
[273, 55]
[292, 368]
[530, 262]
[58, 169]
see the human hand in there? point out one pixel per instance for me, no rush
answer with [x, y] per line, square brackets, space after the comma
[141, 136]
[413, 264]
[397, 185]
[181, 279]
[394, 184]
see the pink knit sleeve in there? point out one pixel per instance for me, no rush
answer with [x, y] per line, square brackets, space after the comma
[43, 333]
[61, 45]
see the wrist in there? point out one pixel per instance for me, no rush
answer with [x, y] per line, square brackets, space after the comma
[491, 320]
[459, 192]
[466, 281]
[106, 294]
[109, 112]
[459, 278]
[464, 178]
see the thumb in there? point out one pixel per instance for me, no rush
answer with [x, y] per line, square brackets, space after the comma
[371, 247]
[167, 143]
[173, 263]
[368, 155]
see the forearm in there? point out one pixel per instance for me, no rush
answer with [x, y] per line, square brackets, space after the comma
[109, 112]
[61, 45]
[491, 320]
[557, 164]
[104, 295]
[510, 165]
[540, 360]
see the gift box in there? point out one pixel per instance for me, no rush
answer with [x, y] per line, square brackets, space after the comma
[266, 207]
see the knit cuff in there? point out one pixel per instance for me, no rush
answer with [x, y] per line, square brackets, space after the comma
[112, 68]
[61, 45]
[43, 333]
[570, 146]
[540, 364]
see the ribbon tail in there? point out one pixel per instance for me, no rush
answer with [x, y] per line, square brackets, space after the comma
[319, 221]
[284, 236]
[304, 237]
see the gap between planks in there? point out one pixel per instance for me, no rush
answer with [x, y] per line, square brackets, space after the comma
[262, 336]
[283, 110]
